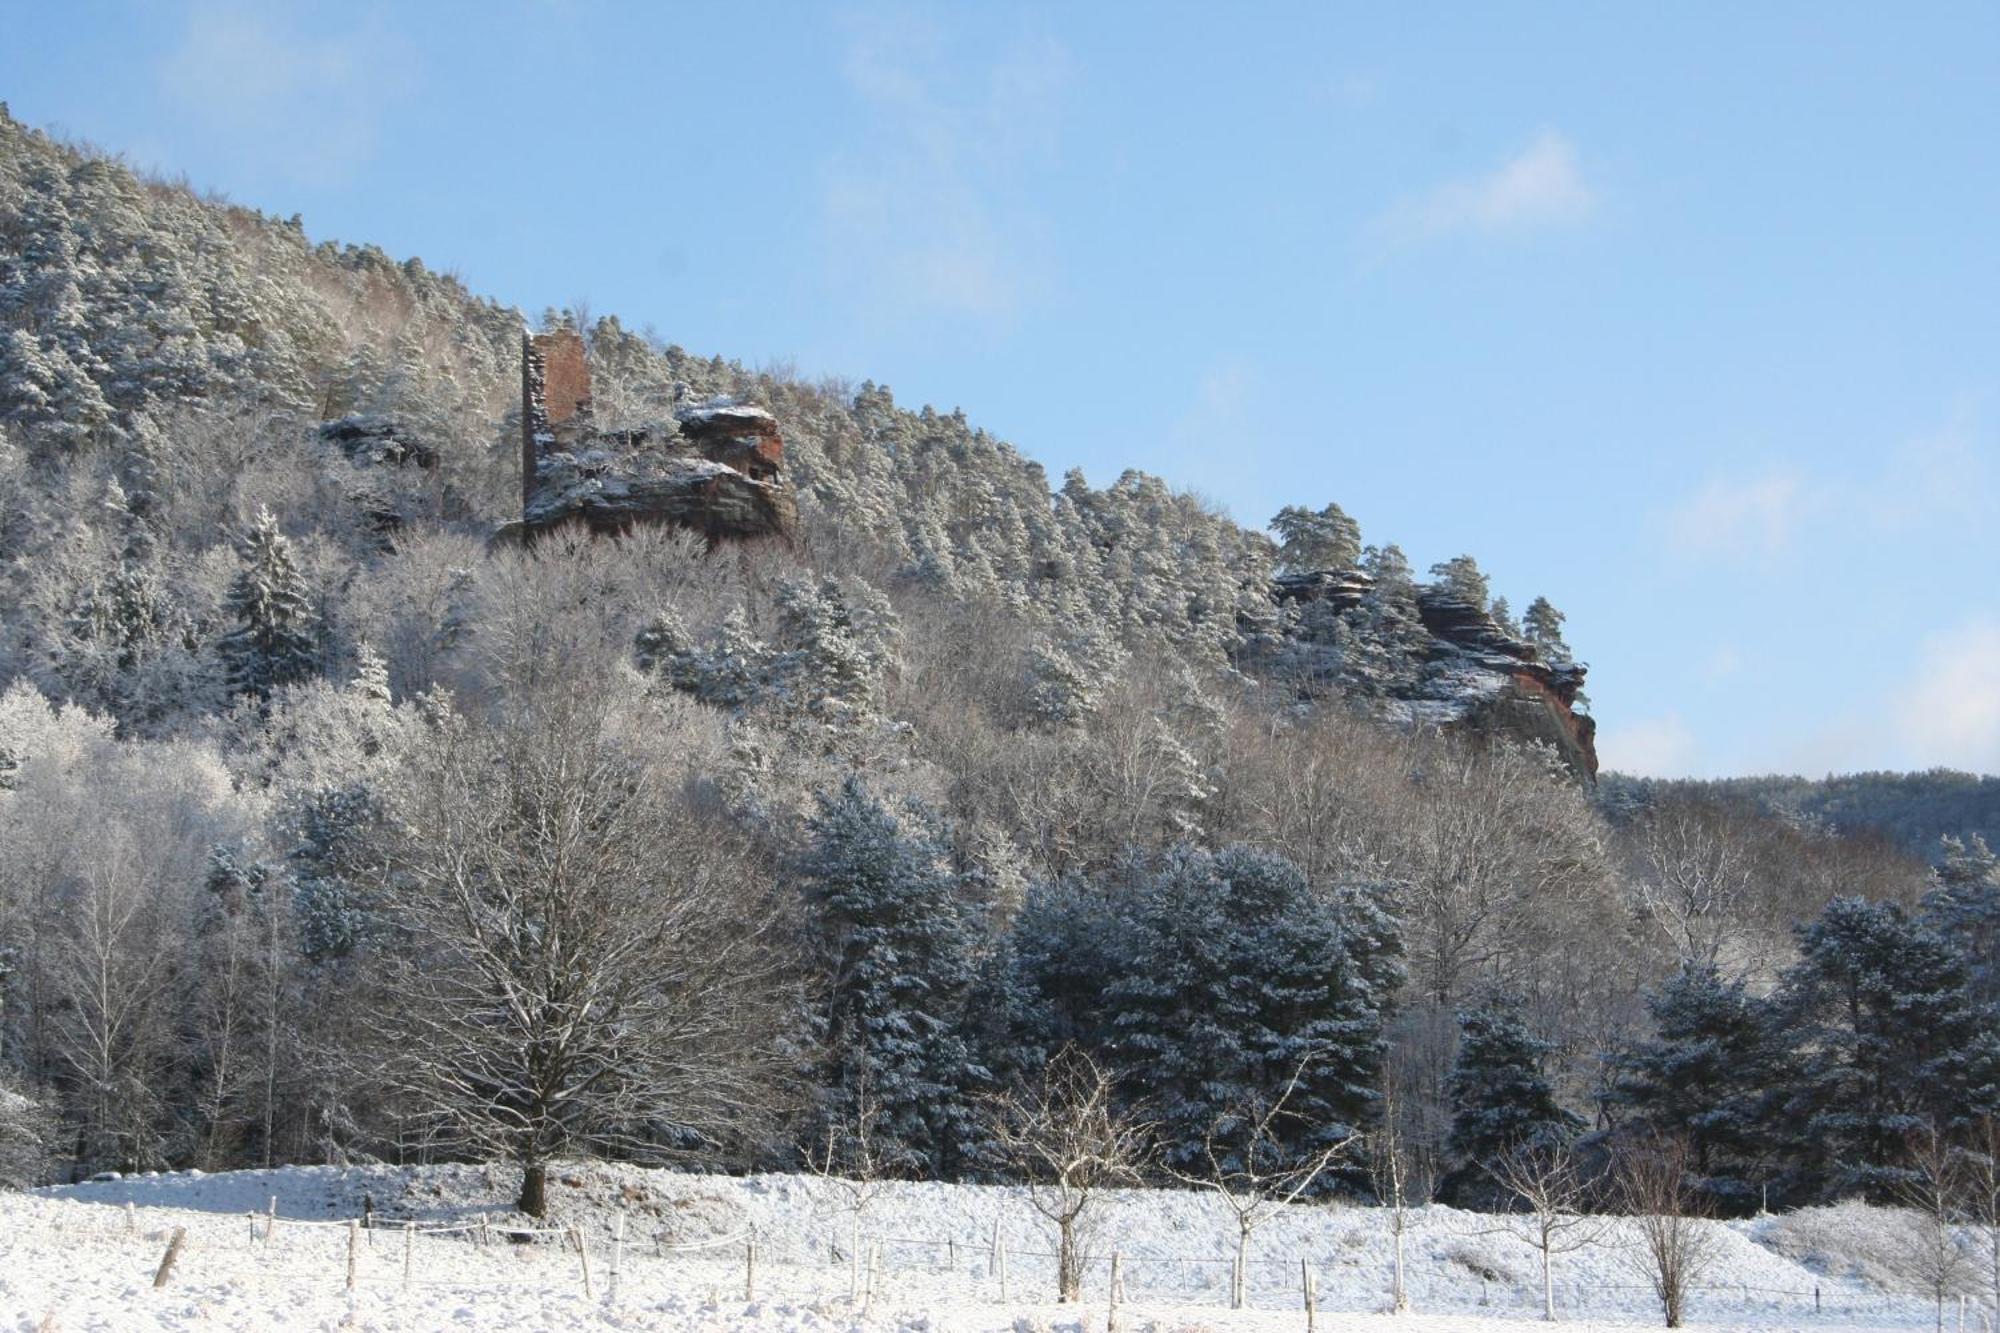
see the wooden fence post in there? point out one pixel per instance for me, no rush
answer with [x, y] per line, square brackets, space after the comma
[167, 1260]
[251, 1213]
[750, 1267]
[1000, 1248]
[1306, 1285]
[353, 1251]
[617, 1255]
[582, 1258]
[1117, 1282]
[409, 1251]
[271, 1226]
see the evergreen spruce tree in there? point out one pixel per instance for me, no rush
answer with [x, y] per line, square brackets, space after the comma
[1884, 1039]
[275, 639]
[1702, 1078]
[1500, 1099]
[899, 950]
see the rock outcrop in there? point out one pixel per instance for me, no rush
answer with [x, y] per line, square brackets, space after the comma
[1474, 676]
[717, 468]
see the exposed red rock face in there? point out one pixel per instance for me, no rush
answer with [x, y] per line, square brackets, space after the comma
[1479, 678]
[736, 435]
[718, 469]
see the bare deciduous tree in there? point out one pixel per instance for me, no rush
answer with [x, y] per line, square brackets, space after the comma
[1071, 1142]
[1657, 1185]
[1982, 1192]
[1398, 1173]
[1555, 1196]
[588, 964]
[1690, 875]
[1255, 1165]
[1938, 1184]
[854, 1165]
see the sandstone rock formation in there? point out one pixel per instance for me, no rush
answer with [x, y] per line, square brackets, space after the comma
[1475, 677]
[718, 468]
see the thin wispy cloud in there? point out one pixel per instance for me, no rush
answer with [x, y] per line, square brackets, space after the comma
[1740, 518]
[1658, 747]
[304, 107]
[1949, 713]
[1937, 480]
[1541, 186]
[925, 212]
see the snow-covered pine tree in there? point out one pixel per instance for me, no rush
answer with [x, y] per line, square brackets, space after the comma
[1543, 624]
[1234, 975]
[1964, 907]
[1701, 1079]
[1179, 1017]
[1383, 654]
[1320, 968]
[275, 639]
[1500, 1099]
[899, 950]
[1884, 1039]
[1462, 577]
[1322, 539]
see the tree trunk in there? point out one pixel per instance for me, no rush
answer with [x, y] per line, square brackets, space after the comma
[534, 1199]
[1548, 1285]
[1069, 1280]
[1400, 1295]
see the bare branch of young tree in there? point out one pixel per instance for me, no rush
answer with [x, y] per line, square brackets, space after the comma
[1657, 1185]
[853, 1165]
[1940, 1182]
[1981, 1166]
[1555, 1197]
[1255, 1165]
[1067, 1136]
[1395, 1171]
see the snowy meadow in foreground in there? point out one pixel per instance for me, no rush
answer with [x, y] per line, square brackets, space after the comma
[774, 1251]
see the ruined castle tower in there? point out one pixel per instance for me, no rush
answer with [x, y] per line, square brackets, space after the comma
[555, 399]
[717, 467]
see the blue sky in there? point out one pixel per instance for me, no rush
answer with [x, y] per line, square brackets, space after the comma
[1685, 316]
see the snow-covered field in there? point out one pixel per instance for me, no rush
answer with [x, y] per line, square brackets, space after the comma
[77, 1257]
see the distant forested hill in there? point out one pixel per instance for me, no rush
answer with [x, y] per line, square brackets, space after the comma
[1914, 810]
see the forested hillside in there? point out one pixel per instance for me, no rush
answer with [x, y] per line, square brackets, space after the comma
[332, 829]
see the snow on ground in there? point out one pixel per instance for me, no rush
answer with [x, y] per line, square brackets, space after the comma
[76, 1257]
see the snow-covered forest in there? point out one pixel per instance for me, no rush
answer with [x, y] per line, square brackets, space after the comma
[983, 820]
